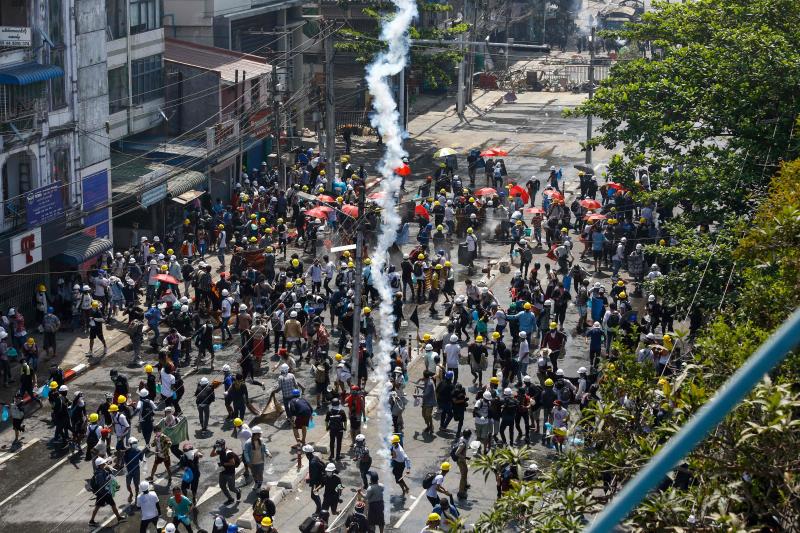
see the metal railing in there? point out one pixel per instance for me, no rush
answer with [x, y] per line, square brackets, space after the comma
[767, 357]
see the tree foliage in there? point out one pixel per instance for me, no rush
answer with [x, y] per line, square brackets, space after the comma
[433, 65]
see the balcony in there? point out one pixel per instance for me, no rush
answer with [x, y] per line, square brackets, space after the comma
[20, 105]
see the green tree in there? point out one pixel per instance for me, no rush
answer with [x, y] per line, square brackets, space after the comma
[436, 66]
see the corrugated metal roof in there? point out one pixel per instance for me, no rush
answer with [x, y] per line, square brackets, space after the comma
[80, 248]
[226, 62]
[27, 73]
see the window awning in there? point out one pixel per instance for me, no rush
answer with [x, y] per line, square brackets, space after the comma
[80, 248]
[185, 182]
[27, 73]
[187, 197]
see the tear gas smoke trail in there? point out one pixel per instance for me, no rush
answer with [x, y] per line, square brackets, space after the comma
[387, 120]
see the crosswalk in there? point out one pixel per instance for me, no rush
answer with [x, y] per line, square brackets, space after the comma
[5, 456]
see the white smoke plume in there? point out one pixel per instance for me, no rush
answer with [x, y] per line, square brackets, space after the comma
[387, 121]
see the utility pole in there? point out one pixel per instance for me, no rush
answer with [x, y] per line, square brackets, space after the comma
[473, 36]
[401, 98]
[276, 117]
[460, 99]
[591, 93]
[330, 107]
[359, 279]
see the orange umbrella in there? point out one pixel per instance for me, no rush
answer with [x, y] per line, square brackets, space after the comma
[403, 170]
[516, 189]
[350, 210]
[317, 212]
[615, 186]
[534, 211]
[325, 198]
[486, 191]
[594, 217]
[421, 211]
[377, 195]
[494, 151]
[590, 204]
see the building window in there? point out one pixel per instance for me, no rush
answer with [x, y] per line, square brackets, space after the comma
[55, 28]
[14, 13]
[60, 170]
[148, 79]
[117, 89]
[17, 180]
[145, 15]
[116, 19]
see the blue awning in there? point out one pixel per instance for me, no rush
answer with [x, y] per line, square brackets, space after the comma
[80, 248]
[27, 73]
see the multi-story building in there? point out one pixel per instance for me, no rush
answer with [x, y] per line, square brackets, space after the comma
[54, 153]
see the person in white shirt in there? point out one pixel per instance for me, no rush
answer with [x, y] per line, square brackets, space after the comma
[147, 501]
[227, 306]
[167, 385]
[243, 433]
[432, 492]
[618, 258]
[523, 357]
[452, 352]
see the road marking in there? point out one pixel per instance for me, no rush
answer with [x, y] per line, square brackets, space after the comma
[410, 510]
[8, 455]
[34, 480]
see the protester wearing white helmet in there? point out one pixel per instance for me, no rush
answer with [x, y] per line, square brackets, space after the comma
[452, 354]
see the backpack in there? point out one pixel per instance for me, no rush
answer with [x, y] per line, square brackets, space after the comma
[92, 439]
[427, 481]
[395, 283]
[308, 524]
[97, 482]
[613, 320]
[302, 407]
[236, 459]
[320, 375]
[454, 451]
[188, 475]
[134, 326]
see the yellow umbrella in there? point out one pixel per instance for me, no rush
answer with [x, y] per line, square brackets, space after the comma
[444, 152]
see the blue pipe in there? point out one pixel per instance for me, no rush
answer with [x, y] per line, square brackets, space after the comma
[769, 355]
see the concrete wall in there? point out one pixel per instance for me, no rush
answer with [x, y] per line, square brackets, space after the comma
[197, 86]
[92, 80]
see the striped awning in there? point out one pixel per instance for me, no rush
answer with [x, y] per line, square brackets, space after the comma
[80, 248]
[27, 73]
[185, 182]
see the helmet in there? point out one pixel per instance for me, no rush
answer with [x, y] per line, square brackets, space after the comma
[582, 370]
[494, 380]
[280, 221]
[93, 417]
[426, 337]
[284, 368]
[330, 467]
[307, 448]
[121, 399]
[100, 461]
[144, 393]
[225, 292]
[256, 429]
[95, 304]
[351, 265]
[438, 266]
[470, 230]
[395, 439]
[651, 298]
[132, 441]
[367, 261]
[434, 517]
[487, 395]
[361, 437]
[295, 392]
[204, 381]
[170, 528]
[270, 249]
[620, 283]
[667, 337]
[237, 422]
[523, 334]
[479, 339]
[453, 338]
[113, 408]
[289, 284]
[428, 347]
[496, 335]
[77, 287]
[226, 368]
[221, 226]
[339, 357]
[295, 263]
[553, 325]
[448, 264]
[445, 466]
[144, 486]
[293, 314]
[242, 307]
[148, 369]
[421, 257]
[560, 372]
[253, 239]
[548, 382]
[184, 309]
[366, 310]
[266, 521]
[471, 200]
[527, 306]
[623, 295]
[526, 379]
[152, 249]
[507, 391]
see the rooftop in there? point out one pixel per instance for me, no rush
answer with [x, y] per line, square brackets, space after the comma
[225, 62]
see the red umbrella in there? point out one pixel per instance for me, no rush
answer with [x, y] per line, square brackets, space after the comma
[421, 211]
[350, 210]
[317, 212]
[534, 211]
[377, 195]
[594, 217]
[325, 198]
[494, 151]
[590, 204]
[615, 186]
[403, 170]
[486, 191]
[166, 278]
[516, 189]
